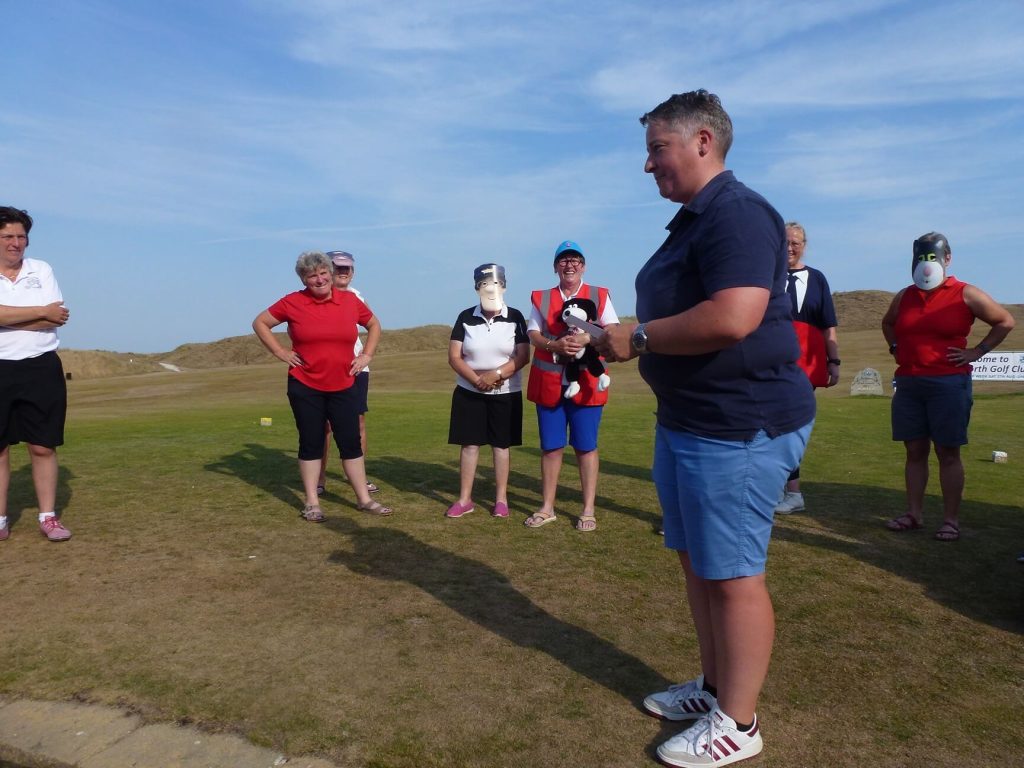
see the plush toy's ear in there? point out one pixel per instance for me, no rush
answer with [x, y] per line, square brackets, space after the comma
[588, 306]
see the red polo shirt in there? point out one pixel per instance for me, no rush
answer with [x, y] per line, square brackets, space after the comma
[323, 333]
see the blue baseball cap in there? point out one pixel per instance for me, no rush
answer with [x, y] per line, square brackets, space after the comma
[569, 245]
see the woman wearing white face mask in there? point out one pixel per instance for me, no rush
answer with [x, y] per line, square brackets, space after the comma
[487, 349]
[926, 328]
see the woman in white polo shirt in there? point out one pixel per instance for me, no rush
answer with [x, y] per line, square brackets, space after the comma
[33, 395]
[487, 349]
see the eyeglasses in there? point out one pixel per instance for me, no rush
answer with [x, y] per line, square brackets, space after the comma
[795, 243]
[10, 238]
[342, 270]
[565, 261]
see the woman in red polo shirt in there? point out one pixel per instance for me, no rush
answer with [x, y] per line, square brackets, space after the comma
[321, 372]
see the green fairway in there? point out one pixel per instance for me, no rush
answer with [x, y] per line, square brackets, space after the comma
[193, 592]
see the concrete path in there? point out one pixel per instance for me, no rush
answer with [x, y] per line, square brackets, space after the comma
[40, 734]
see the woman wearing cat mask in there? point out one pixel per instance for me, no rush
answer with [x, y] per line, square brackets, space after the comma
[926, 328]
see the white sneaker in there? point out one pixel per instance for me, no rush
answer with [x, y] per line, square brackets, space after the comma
[685, 701]
[712, 740]
[791, 502]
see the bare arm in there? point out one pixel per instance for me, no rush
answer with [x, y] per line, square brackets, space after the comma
[832, 353]
[44, 317]
[889, 322]
[986, 309]
[461, 367]
[566, 346]
[369, 348]
[722, 320]
[263, 325]
[520, 358]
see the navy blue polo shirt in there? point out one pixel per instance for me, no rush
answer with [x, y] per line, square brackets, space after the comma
[727, 237]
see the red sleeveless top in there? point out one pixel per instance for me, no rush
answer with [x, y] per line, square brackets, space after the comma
[927, 324]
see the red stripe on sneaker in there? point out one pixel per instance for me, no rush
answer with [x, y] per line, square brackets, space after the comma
[723, 747]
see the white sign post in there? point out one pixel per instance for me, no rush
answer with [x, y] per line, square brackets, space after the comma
[999, 366]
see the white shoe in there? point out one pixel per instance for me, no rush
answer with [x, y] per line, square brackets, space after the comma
[713, 740]
[685, 701]
[791, 502]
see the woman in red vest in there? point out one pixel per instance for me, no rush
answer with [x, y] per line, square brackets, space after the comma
[926, 327]
[580, 414]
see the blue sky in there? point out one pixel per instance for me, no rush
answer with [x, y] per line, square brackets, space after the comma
[178, 155]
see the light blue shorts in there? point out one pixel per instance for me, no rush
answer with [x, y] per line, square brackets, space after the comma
[718, 497]
[582, 422]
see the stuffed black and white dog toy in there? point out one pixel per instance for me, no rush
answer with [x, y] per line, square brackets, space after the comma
[583, 309]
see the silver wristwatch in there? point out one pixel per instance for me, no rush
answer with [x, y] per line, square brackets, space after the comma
[639, 339]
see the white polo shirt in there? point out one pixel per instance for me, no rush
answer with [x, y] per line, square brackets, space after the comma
[358, 348]
[34, 286]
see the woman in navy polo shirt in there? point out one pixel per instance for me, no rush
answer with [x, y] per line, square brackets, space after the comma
[488, 347]
[321, 373]
[717, 347]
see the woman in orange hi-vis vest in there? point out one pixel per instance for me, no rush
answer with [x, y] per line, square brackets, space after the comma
[580, 415]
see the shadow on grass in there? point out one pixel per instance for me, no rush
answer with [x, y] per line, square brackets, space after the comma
[976, 576]
[264, 468]
[439, 482]
[21, 497]
[485, 596]
[609, 470]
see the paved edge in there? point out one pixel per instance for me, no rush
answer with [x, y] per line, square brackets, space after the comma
[43, 734]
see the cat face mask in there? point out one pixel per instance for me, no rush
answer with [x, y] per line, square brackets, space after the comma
[928, 267]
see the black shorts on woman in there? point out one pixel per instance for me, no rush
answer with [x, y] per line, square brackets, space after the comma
[486, 419]
[33, 401]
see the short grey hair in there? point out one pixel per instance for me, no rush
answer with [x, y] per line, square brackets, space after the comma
[691, 111]
[797, 225]
[310, 262]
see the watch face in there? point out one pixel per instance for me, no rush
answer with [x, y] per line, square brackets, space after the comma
[639, 339]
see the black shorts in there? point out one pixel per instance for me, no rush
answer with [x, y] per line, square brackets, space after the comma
[33, 401]
[314, 409]
[362, 386]
[479, 419]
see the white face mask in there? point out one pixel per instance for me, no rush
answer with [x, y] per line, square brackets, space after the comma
[491, 295]
[929, 275]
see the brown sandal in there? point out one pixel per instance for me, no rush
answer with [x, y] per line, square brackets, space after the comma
[375, 508]
[312, 513]
[906, 522]
[948, 532]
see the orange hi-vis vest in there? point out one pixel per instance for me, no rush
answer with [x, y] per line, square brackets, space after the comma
[546, 384]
